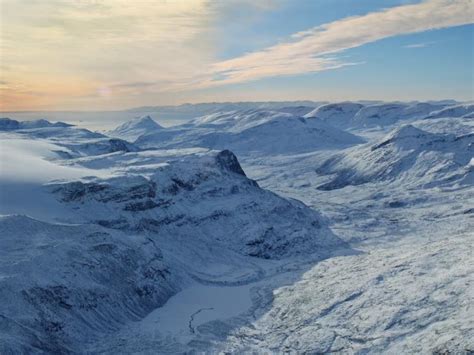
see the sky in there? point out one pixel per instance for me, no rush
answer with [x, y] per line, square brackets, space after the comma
[117, 54]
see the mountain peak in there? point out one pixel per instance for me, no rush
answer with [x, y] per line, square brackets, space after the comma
[43, 123]
[227, 160]
[407, 131]
[7, 124]
[146, 118]
[143, 122]
[134, 128]
[405, 136]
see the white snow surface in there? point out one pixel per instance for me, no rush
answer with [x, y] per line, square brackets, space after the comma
[167, 245]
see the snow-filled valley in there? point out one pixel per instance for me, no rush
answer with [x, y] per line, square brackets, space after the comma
[297, 227]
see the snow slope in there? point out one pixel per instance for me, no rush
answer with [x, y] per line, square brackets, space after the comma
[25, 165]
[46, 311]
[401, 299]
[407, 153]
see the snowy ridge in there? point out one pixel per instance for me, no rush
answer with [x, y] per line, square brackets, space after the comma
[202, 196]
[389, 114]
[466, 110]
[202, 109]
[408, 153]
[239, 120]
[299, 111]
[358, 115]
[7, 124]
[244, 132]
[99, 146]
[338, 114]
[46, 129]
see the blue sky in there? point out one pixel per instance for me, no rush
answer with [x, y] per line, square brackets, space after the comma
[433, 64]
[284, 19]
[430, 65]
[114, 54]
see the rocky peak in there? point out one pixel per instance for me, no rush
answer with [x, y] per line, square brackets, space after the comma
[228, 161]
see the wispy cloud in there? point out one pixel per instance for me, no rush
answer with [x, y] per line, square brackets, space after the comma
[317, 49]
[419, 45]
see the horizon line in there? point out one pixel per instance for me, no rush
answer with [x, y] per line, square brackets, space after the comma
[241, 102]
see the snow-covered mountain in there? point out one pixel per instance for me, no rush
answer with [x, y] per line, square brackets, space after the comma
[97, 147]
[407, 153]
[207, 197]
[203, 109]
[250, 131]
[7, 124]
[45, 129]
[63, 286]
[337, 114]
[299, 111]
[71, 141]
[193, 239]
[125, 240]
[464, 110]
[164, 115]
[388, 114]
[358, 115]
[133, 129]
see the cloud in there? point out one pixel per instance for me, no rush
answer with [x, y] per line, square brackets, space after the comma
[119, 53]
[419, 45]
[316, 49]
[97, 45]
